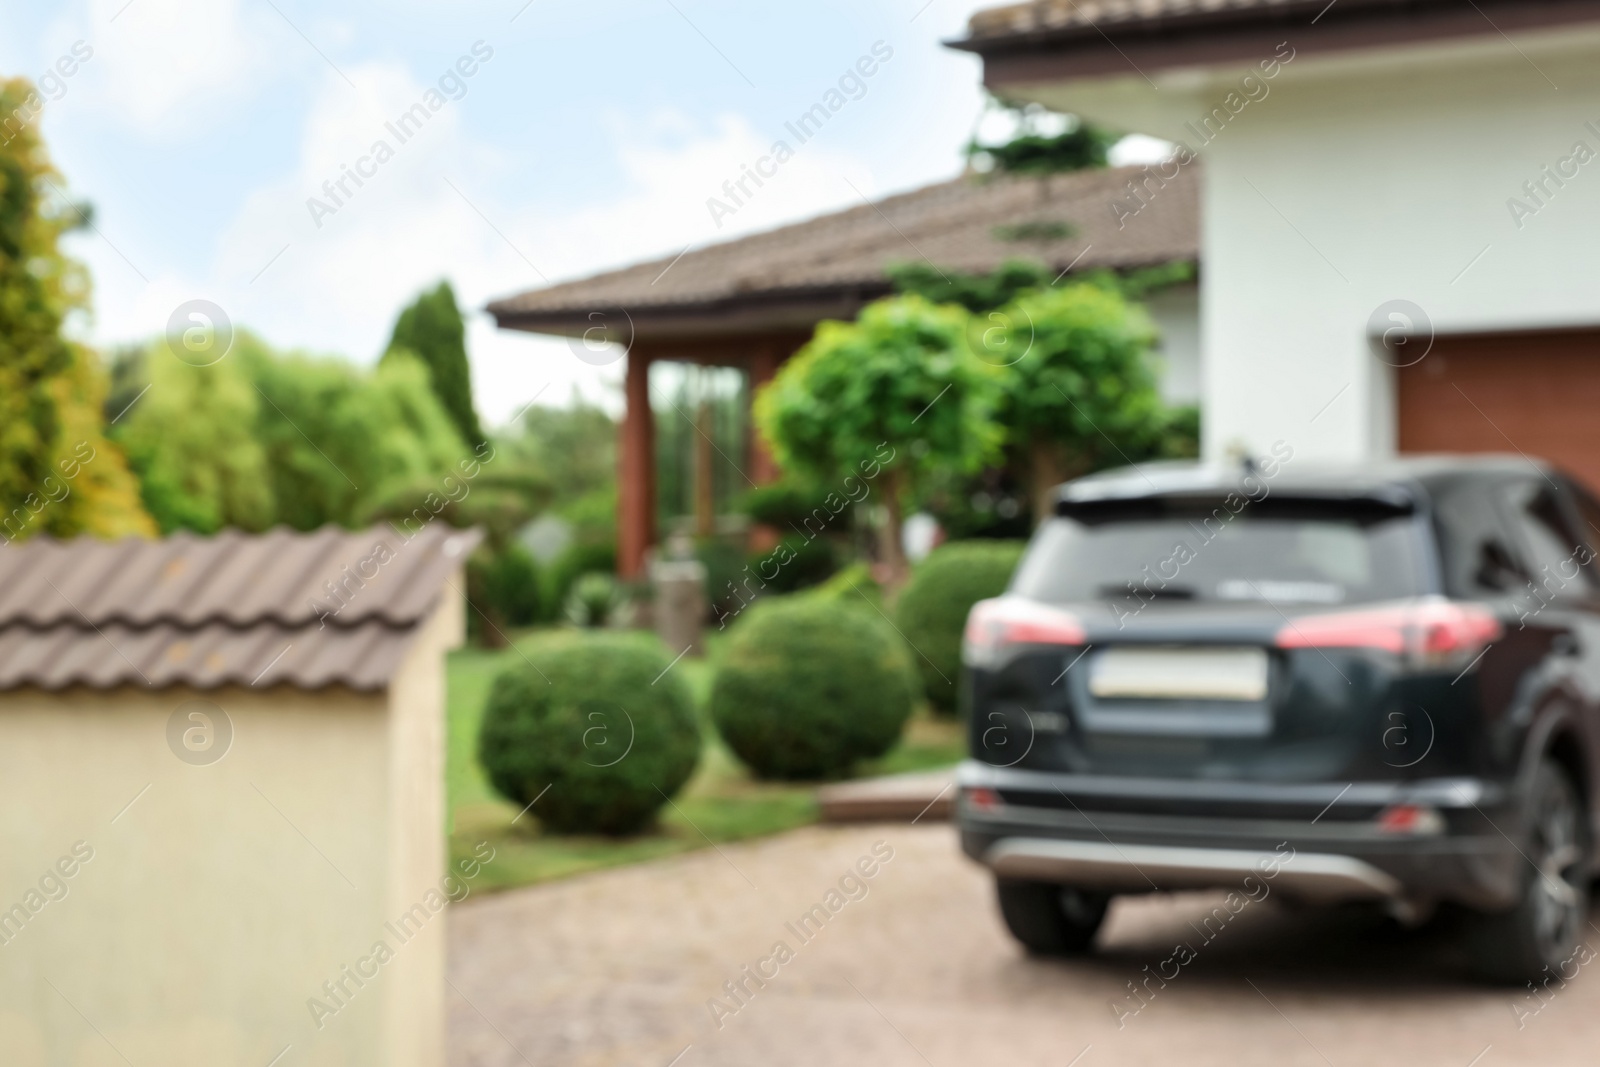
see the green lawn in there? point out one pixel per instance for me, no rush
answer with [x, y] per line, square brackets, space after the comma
[720, 803]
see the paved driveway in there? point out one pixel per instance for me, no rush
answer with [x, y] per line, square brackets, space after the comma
[618, 968]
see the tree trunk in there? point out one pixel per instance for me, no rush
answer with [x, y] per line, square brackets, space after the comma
[1049, 464]
[1044, 474]
[891, 545]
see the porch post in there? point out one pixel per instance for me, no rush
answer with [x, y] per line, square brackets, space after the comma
[762, 366]
[636, 470]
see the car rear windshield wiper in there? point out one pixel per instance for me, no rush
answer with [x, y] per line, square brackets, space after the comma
[1128, 590]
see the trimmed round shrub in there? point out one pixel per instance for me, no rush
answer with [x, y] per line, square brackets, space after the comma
[807, 687]
[932, 609]
[610, 745]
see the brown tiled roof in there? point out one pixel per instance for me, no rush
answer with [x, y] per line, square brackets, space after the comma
[234, 609]
[1186, 24]
[1091, 16]
[959, 224]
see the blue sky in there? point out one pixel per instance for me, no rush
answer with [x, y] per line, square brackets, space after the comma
[591, 137]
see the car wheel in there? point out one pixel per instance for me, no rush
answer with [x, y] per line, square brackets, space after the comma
[1542, 930]
[1051, 920]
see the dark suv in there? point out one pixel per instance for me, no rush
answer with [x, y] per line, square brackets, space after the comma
[1376, 683]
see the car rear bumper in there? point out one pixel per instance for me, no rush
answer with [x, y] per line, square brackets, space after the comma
[1318, 843]
[1103, 865]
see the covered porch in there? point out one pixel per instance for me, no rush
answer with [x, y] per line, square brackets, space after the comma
[735, 311]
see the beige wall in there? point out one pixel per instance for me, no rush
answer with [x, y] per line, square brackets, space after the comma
[414, 1030]
[224, 897]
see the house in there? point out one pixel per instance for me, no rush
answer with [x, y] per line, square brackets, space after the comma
[751, 303]
[1396, 203]
[221, 793]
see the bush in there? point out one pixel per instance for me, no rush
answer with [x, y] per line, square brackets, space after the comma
[808, 687]
[600, 726]
[576, 560]
[725, 575]
[503, 586]
[1180, 433]
[594, 600]
[932, 610]
[795, 563]
[853, 585]
[782, 505]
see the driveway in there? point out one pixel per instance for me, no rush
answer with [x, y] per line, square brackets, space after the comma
[913, 967]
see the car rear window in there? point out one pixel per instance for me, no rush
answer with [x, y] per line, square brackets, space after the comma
[1278, 551]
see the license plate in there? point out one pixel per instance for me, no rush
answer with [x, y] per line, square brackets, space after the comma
[1238, 674]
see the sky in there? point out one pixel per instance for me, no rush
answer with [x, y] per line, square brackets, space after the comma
[569, 137]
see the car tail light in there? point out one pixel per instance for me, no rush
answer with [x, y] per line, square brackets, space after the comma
[1429, 633]
[1418, 820]
[997, 625]
[982, 798]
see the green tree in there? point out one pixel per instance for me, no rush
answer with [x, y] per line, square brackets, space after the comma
[990, 291]
[192, 440]
[1172, 433]
[1179, 434]
[893, 397]
[260, 438]
[341, 441]
[975, 292]
[1045, 142]
[573, 450]
[574, 447]
[1079, 392]
[431, 329]
[58, 473]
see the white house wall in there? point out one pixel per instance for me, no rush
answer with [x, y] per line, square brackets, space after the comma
[1366, 178]
[1176, 314]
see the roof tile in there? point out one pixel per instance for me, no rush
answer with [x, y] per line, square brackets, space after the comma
[954, 225]
[309, 610]
[1095, 15]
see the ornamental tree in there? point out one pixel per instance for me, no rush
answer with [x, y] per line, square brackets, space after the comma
[262, 437]
[58, 473]
[431, 329]
[1078, 391]
[891, 398]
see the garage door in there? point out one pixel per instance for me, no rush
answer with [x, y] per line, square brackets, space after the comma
[1537, 393]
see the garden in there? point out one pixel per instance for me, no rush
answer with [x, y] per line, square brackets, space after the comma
[834, 655]
[740, 742]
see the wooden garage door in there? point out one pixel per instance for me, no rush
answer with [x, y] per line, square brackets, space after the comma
[1537, 393]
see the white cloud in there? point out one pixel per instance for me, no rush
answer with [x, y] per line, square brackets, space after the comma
[449, 205]
[431, 212]
[166, 64]
[169, 75]
[672, 169]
